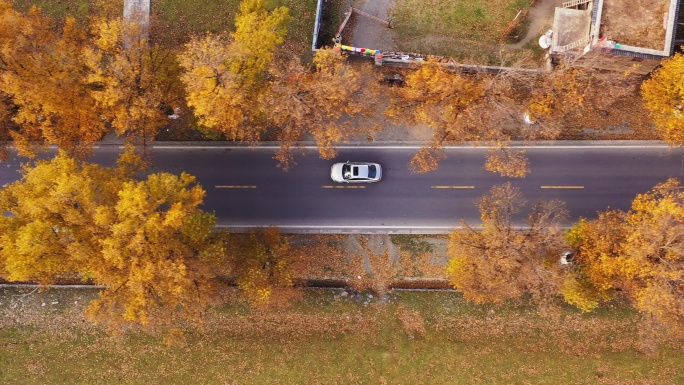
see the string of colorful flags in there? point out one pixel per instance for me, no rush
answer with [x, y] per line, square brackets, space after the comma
[366, 51]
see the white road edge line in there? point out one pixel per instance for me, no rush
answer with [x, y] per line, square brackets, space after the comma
[343, 227]
[412, 147]
[384, 227]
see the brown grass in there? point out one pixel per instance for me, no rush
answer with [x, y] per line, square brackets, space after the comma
[637, 23]
[416, 337]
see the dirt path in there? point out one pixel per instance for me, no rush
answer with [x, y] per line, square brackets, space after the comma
[368, 33]
[138, 11]
[542, 19]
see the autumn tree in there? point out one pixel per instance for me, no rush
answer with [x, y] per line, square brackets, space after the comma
[639, 253]
[44, 80]
[146, 241]
[464, 107]
[157, 254]
[663, 95]
[582, 94]
[224, 73]
[6, 124]
[262, 263]
[106, 8]
[327, 102]
[440, 99]
[559, 92]
[597, 245]
[507, 162]
[502, 261]
[257, 34]
[48, 228]
[132, 81]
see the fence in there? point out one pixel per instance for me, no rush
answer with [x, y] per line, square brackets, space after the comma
[317, 25]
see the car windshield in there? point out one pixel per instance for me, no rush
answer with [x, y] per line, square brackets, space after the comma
[346, 171]
[371, 171]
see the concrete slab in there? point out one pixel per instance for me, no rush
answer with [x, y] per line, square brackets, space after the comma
[368, 33]
[570, 25]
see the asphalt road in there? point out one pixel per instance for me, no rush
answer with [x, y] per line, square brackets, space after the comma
[246, 189]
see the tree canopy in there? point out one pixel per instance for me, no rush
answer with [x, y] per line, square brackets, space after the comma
[582, 96]
[440, 99]
[503, 260]
[66, 86]
[465, 107]
[224, 73]
[147, 241]
[326, 102]
[133, 81]
[262, 262]
[44, 80]
[47, 226]
[639, 253]
[663, 95]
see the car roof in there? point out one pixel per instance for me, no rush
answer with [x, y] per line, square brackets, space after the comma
[360, 171]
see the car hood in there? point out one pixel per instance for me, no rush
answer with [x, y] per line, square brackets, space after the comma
[336, 172]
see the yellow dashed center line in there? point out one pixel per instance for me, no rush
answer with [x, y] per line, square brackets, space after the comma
[344, 186]
[235, 186]
[453, 186]
[564, 187]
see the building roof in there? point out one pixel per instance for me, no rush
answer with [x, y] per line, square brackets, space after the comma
[635, 33]
[654, 20]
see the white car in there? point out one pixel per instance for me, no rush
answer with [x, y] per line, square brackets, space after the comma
[356, 172]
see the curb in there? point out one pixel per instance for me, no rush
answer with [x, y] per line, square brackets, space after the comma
[410, 144]
[402, 283]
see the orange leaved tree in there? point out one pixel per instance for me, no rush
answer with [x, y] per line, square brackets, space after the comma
[505, 260]
[663, 95]
[133, 81]
[327, 102]
[44, 83]
[147, 241]
[442, 100]
[224, 74]
[639, 253]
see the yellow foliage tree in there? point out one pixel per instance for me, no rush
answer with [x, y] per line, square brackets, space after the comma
[459, 108]
[507, 162]
[654, 265]
[223, 74]
[257, 34]
[597, 245]
[157, 255]
[663, 95]
[572, 95]
[327, 102]
[42, 74]
[50, 231]
[440, 99]
[147, 241]
[6, 126]
[563, 91]
[428, 157]
[502, 261]
[132, 81]
[640, 252]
